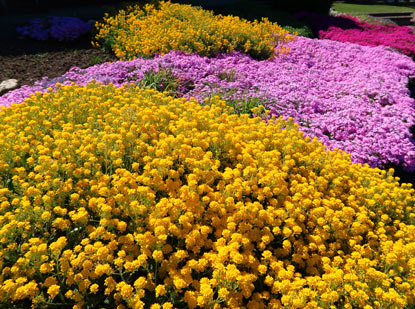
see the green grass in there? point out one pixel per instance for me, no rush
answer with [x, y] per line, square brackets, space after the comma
[369, 8]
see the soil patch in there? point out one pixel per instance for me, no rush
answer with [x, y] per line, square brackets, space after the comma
[30, 60]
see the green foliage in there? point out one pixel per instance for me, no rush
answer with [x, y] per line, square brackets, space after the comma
[95, 60]
[253, 106]
[304, 31]
[163, 80]
[248, 104]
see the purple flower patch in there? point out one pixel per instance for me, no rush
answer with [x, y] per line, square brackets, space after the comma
[59, 28]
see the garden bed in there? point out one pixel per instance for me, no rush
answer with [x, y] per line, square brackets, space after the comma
[207, 171]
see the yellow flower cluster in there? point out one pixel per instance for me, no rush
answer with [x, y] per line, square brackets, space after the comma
[148, 30]
[123, 197]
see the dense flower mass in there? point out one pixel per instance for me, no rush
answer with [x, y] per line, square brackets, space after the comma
[122, 196]
[55, 27]
[345, 28]
[148, 30]
[351, 97]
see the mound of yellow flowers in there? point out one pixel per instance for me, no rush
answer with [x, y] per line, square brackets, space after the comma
[149, 30]
[127, 197]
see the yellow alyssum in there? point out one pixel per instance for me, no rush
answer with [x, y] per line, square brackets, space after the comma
[152, 200]
[148, 30]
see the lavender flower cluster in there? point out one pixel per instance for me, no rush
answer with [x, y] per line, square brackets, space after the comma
[59, 28]
[350, 97]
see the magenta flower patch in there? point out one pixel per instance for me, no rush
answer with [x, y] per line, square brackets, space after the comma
[345, 28]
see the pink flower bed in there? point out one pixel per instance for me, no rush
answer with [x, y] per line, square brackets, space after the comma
[350, 29]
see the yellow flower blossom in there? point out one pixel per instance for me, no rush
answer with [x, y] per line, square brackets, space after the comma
[53, 290]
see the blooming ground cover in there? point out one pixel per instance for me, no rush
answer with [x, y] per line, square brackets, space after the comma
[346, 95]
[144, 31]
[220, 191]
[123, 196]
[346, 28]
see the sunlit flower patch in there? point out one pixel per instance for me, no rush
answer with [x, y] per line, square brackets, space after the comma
[128, 197]
[144, 31]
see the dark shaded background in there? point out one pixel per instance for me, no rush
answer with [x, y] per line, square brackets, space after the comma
[15, 7]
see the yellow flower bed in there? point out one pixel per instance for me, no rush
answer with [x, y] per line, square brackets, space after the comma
[148, 30]
[128, 197]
